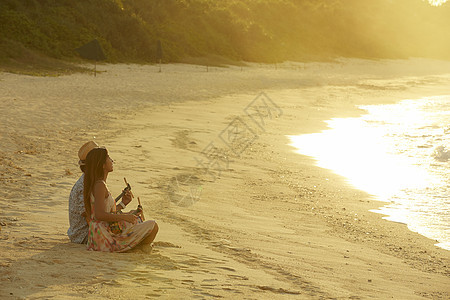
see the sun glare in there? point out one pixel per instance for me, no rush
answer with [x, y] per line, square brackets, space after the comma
[359, 151]
[437, 2]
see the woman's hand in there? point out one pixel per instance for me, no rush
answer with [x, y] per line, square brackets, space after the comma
[130, 218]
[135, 211]
[126, 197]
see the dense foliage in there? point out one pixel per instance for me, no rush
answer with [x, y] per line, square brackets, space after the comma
[250, 30]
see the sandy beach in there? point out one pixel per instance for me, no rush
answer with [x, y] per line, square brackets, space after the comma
[241, 216]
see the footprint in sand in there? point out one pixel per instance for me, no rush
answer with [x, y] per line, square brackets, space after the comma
[227, 268]
[165, 244]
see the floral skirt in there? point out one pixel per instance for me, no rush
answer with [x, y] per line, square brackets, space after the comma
[102, 238]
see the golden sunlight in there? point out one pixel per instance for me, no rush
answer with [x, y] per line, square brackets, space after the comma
[351, 147]
[437, 2]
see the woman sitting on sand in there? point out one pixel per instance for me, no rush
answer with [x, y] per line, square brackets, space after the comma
[109, 231]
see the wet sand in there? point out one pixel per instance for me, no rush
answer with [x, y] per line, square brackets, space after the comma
[241, 216]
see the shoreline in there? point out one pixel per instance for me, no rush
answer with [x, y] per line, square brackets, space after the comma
[356, 147]
[273, 224]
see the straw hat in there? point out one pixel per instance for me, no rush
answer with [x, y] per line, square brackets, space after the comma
[84, 150]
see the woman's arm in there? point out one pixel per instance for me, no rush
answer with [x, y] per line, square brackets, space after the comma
[100, 195]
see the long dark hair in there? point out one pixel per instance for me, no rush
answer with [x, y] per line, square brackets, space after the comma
[95, 160]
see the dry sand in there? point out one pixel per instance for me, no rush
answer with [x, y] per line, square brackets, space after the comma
[264, 224]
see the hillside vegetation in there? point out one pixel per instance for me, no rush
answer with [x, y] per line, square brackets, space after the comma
[241, 30]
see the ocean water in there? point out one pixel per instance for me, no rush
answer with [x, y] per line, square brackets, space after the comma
[400, 153]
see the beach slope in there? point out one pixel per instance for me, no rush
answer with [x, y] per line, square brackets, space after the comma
[241, 215]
